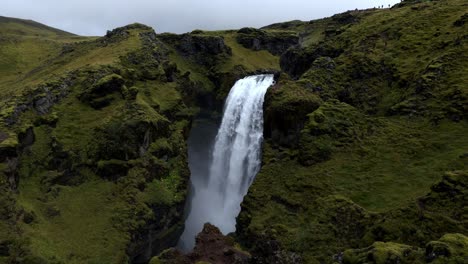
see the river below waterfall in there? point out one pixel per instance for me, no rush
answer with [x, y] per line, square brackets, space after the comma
[224, 159]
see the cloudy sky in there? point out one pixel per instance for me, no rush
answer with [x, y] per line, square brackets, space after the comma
[94, 17]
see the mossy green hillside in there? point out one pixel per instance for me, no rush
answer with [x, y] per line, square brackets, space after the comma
[388, 61]
[364, 157]
[381, 168]
[370, 158]
[448, 249]
[17, 32]
[106, 121]
[25, 45]
[99, 154]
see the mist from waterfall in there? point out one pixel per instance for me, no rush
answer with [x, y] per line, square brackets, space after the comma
[234, 159]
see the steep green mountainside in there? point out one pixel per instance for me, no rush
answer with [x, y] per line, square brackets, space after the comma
[365, 154]
[91, 165]
[366, 145]
[24, 45]
[93, 137]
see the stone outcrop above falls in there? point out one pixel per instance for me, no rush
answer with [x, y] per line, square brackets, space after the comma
[276, 42]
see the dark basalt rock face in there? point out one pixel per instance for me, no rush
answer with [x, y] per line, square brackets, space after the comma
[274, 42]
[297, 61]
[121, 33]
[10, 155]
[158, 234]
[41, 99]
[202, 49]
[194, 44]
[7, 150]
[224, 81]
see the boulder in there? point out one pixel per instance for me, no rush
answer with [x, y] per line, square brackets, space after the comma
[450, 248]
[211, 247]
[100, 94]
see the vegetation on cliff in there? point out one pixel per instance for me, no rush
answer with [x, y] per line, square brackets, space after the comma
[371, 168]
[364, 157]
[93, 136]
[94, 151]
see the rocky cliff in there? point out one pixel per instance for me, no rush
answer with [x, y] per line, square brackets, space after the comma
[365, 125]
[93, 137]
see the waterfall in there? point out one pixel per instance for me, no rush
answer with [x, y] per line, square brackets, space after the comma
[235, 160]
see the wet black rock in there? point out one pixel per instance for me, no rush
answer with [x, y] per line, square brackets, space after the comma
[274, 42]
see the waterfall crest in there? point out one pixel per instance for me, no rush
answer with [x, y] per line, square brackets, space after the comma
[235, 160]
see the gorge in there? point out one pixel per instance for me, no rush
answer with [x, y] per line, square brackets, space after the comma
[234, 162]
[112, 146]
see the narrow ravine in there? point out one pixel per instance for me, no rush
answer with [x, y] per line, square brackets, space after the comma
[228, 164]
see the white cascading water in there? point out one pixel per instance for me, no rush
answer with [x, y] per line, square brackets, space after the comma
[236, 159]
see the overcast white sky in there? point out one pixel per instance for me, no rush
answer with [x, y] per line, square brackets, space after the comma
[94, 17]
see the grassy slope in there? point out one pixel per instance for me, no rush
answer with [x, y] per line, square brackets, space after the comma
[89, 220]
[384, 166]
[251, 60]
[25, 45]
[381, 172]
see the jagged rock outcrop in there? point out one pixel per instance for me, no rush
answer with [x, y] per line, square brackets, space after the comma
[40, 99]
[297, 61]
[211, 247]
[285, 110]
[276, 42]
[202, 49]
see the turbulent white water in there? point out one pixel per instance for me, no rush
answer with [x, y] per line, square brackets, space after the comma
[235, 160]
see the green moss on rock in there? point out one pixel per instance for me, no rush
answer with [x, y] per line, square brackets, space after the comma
[451, 248]
[333, 124]
[383, 253]
[101, 94]
[286, 107]
[275, 41]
